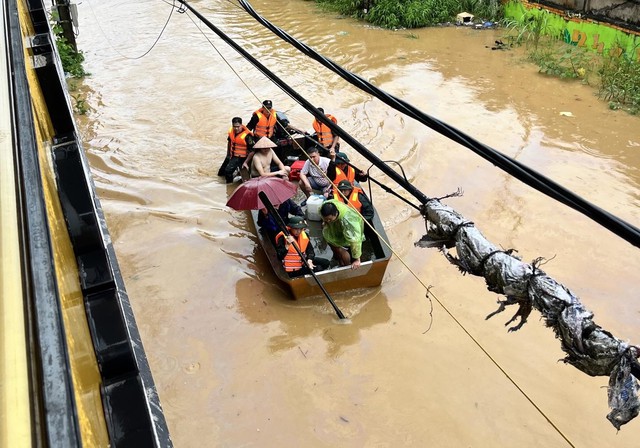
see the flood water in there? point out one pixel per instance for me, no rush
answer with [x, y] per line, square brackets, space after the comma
[238, 364]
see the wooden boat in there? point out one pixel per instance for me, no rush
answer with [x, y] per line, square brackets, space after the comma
[375, 257]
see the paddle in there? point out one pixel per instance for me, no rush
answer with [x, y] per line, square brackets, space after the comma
[271, 209]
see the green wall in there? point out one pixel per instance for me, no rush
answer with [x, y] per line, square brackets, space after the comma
[595, 36]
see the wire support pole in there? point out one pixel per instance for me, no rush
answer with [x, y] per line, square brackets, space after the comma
[64, 19]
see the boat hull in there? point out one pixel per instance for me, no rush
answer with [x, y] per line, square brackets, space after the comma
[376, 255]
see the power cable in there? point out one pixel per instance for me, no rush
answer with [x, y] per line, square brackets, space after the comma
[223, 58]
[306, 104]
[310, 108]
[515, 168]
[173, 6]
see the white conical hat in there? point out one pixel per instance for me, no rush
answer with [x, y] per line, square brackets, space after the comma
[264, 142]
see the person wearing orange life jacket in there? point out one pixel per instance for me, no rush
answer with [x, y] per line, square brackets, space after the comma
[355, 198]
[291, 260]
[263, 121]
[339, 169]
[324, 135]
[239, 143]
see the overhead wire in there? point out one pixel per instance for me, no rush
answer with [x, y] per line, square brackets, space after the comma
[235, 72]
[157, 39]
[515, 168]
[306, 104]
[380, 184]
[310, 108]
[312, 162]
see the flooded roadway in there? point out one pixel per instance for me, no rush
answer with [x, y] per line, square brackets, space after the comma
[238, 364]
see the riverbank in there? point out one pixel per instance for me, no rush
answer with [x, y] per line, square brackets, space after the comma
[562, 44]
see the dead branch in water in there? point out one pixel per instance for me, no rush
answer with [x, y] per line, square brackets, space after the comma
[589, 348]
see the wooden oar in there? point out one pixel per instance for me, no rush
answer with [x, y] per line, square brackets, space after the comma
[273, 212]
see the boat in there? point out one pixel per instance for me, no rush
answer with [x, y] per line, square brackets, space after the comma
[374, 260]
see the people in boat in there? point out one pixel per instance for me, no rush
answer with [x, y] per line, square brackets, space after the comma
[343, 229]
[355, 198]
[239, 144]
[313, 173]
[268, 224]
[264, 158]
[266, 122]
[263, 121]
[339, 169]
[291, 260]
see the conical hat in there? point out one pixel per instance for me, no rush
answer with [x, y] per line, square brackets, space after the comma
[264, 142]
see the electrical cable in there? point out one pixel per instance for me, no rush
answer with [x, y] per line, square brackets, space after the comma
[516, 169]
[305, 103]
[224, 59]
[310, 108]
[297, 97]
[173, 6]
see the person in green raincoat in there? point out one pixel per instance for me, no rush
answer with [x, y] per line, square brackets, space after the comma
[343, 229]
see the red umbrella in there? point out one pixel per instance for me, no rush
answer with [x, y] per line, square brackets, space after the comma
[245, 197]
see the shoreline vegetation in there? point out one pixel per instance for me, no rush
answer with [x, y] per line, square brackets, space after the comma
[72, 60]
[394, 14]
[614, 73]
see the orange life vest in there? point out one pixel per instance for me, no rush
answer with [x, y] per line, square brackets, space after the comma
[238, 142]
[292, 261]
[323, 133]
[266, 125]
[353, 200]
[350, 175]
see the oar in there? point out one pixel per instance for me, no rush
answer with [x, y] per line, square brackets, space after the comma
[271, 209]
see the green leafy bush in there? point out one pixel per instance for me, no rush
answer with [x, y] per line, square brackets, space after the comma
[620, 80]
[564, 61]
[618, 73]
[530, 29]
[71, 60]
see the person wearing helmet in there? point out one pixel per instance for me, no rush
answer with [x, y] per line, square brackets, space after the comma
[339, 169]
[355, 198]
[293, 264]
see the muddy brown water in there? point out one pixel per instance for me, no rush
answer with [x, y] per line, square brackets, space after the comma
[238, 364]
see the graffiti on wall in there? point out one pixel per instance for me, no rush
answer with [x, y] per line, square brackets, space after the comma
[581, 39]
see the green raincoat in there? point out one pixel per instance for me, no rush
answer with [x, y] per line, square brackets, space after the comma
[347, 230]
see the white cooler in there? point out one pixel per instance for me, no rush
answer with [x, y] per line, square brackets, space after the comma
[313, 207]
